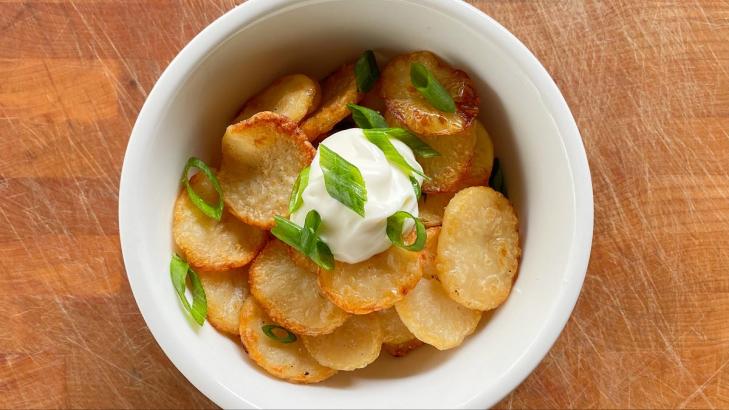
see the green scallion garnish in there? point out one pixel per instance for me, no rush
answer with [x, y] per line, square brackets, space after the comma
[272, 330]
[301, 182]
[419, 147]
[213, 211]
[305, 239]
[496, 180]
[382, 141]
[342, 180]
[416, 187]
[366, 118]
[366, 71]
[425, 82]
[179, 272]
[394, 231]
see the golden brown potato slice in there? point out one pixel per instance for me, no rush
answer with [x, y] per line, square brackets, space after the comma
[290, 294]
[374, 284]
[373, 100]
[483, 158]
[397, 339]
[432, 206]
[294, 96]
[353, 346]
[409, 106]
[478, 248]
[447, 170]
[288, 361]
[338, 90]
[209, 244]
[262, 156]
[225, 292]
[427, 255]
[435, 318]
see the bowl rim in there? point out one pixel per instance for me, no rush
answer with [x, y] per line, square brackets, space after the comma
[196, 51]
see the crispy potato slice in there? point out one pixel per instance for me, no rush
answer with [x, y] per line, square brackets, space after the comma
[397, 339]
[338, 90]
[483, 158]
[432, 206]
[209, 244]
[402, 349]
[435, 318]
[262, 156]
[290, 294]
[294, 96]
[353, 346]
[478, 248]
[447, 170]
[225, 292]
[288, 361]
[374, 284]
[427, 255]
[409, 106]
[373, 100]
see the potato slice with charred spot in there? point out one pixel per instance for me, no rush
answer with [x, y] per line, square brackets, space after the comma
[427, 255]
[447, 170]
[397, 339]
[338, 90]
[432, 206]
[409, 106]
[262, 156]
[402, 349]
[353, 346]
[225, 292]
[478, 248]
[209, 244]
[374, 284]
[483, 159]
[435, 318]
[288, 361]
[290, 294]
[294, 96]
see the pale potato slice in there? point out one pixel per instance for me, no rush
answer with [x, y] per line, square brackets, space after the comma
[402, 349]
[225, 292]
[209, 244]
[397, 339]
[338, 90]
[353, 346]
[409, 106]
[262, 156]
[483, 158]
[290, 294]
[374, 284]
[288, 361]
[478, 248]
[432, 206]
[435, 318]
[427, 255]
[294, 96]
[447, 170]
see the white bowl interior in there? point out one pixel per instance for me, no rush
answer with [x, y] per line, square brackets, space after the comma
[187, 114]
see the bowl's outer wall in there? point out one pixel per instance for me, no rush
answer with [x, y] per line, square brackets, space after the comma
[534, 134]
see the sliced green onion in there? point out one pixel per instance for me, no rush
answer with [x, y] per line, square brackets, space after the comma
[416, 187]
[270, 330]
[179, 272]
[366, 71]
[382, 141]
[496, 180]
[301, 182]
[394, 231]
[213, 211]
[343, 180]
[419, 147]
[366, 118]
[425, 82]
[287, 232]
[308, 234]
[305, 239]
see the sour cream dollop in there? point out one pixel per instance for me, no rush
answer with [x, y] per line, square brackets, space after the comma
[351, 237]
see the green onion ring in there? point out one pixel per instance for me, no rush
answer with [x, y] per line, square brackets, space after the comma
[394, 231]
[213, 211]
[268, 330]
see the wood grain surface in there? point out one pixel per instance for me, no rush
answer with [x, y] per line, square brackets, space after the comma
[647, 81]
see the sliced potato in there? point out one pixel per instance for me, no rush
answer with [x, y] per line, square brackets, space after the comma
[435, 318]
[397, 339]
[353, 346]
[373, 100]
[374, 284]
[483, 158]
[402, 349]
[431, 207]
[478, 248]
[427, 255]
[288, 361]
[447, 170]
[409, 106]
[225, 292]
[262, 156]
[294, 96]
[209, 244]
[290, 294]
[338, 90]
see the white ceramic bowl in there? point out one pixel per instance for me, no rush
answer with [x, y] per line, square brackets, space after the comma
[535, 136]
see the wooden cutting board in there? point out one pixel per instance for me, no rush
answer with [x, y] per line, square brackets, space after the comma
[647, 81]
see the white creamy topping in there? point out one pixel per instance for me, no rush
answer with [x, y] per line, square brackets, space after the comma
[351, 237]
